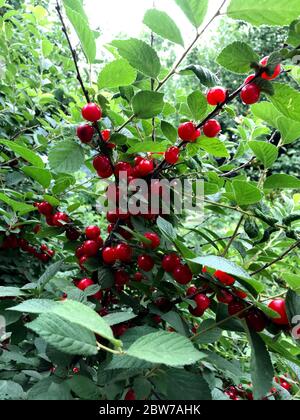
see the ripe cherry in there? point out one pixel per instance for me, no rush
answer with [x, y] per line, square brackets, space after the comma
[172, 155]
[85, 283]
[279, 306]
[216, 95]
[79, 252]
[130, 395]
[124, 253]
[121, 278]
[163, 304]
[235, 307]
[188, 131]
[202, 301]
[192, 290]
[91, 112]
[105, 135]
[211, 128]
[90, 248]
[103, 166]
[123, 167]
[49, 220]
[145, 262]
[72, 234]
[240, 293]
[145, 167]
[224, 278]
[44, 208]
[154, 238]
[82, 261]
[138, 276]
[137, 160]
[92, 232]
[277, 70]
[170, 262]
[37, 229]
[85, 133]
[182, 274]
[256, 320]
[250, 94]
[225, 297]
[60, 219]
[111, 217]
[109, 255]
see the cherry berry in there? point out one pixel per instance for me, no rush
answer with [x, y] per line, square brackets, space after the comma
[188, 132]
[170, 262]
[145, 167]
[277, 70]
[256, 320]
[103, 166]
[91, 112]
[250, 94]
[92, 232]
[90, 248]
[105, 135]
[85, 133]
[211, 128]
[60, 219]
[124, 253]
[224, 278]
[44, 208]
[172, 155]
[154, 238]
[145, 262]
[85, 283]
[109, 255]
[121, 278]
[182, 274]
[278, 305]
[235, 308]
[216, 95]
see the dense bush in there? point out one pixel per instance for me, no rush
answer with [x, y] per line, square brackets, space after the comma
[160, 307]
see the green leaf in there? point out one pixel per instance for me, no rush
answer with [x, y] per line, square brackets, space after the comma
[10, 390]
[50, 272]
[170, 349]
[17, 206]
[211, 336]
[293, 280]
[10, 291]
[84, 33]
[160, 23]
[264, 12]
[224, 365]
[42, 176]
[148, 146]
[245, 193]
[84, 387]
[262, 372]
[181, 385]
[66, 157]
[169, 131]
[213, 146]
[197, 103]
[35, 306]
[139, 55]
[220, 263]
[287, 100]
[117, 73]
[24, 152]
[267, 153]
[293, 306]
[115, 318]
[147, 104]
[294, 33]
[166, 228]
[64, 335]
[237, 57]
[282, 181]
[205, 76]
[195, 10]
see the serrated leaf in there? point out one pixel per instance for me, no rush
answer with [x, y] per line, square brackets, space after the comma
[66, 157]
[169, 131]
[287, 100]
[213, 146]
[197, 103]
[7, 291]
[64, 335]
[170, 349]
[117, 73]
[220, 263]
[267, 153]
[245, 193]
[84, 387]
[51, 271]
[148, 146]
[17, 206]
[115, 318]
[237, 57]
[293, 280]
[195, 10]
[147, 104]
[24, 152]
[160, 23]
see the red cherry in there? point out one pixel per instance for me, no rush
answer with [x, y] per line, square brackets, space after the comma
[72, 234]
[79, 252]
[51, 253]
[112, 217]
[182, 274]
[103, 167]
[188, 131]
[91, 112]
[130, 395]
[44, 247]
[75, 370]
[256, 320]
[105, 135]
[110, 227]
[137, 160]
[85, 133]
[37, 229]
[163, 304]
[211, 128]
[250, 94]
[216, 95]
[124, 253]
[172, 155]
[279, 306]
[240, 293]
[82, 261]
[23, 244]
[43, 257]
[277, 71]
[49, 220]
[202, 301]
[60, 219]
[154, 238]
[123, 167]
[44, 208]
[225, 297]
[145, 167]
[224, 278]
[145, 262]
[192, 290]
[170, 262]
[92, 232]
[90, 248]
[109, 255]
[235, 307]
[285, 384]
[138, 276]
[119, 330]
[121, 278]
[198, 311]
[85, 283]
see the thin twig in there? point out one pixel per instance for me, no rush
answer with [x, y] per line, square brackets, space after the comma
[235, 234]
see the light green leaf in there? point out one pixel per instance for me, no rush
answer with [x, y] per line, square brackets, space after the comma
[245, 193]
[148, 146]
[10, 291]
[50, 272]
[170, 349]
[64, 335]
[117, 73]
[195, 10]
[282, 181]
[220, 263]
[35, 306]
[66, 157]
[267, 153]
[294, 33]
[24, 152]
[147, 104]
[264, 12]
[213, 146]
[115, 318]
[42, 176]
[139, 55]
[17, 206]
[197, 103]
[237, 57]
[160, 23]
[287, 100]
[169, 131]
[293, 280]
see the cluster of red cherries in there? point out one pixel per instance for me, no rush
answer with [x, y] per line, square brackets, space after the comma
[12, 241]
